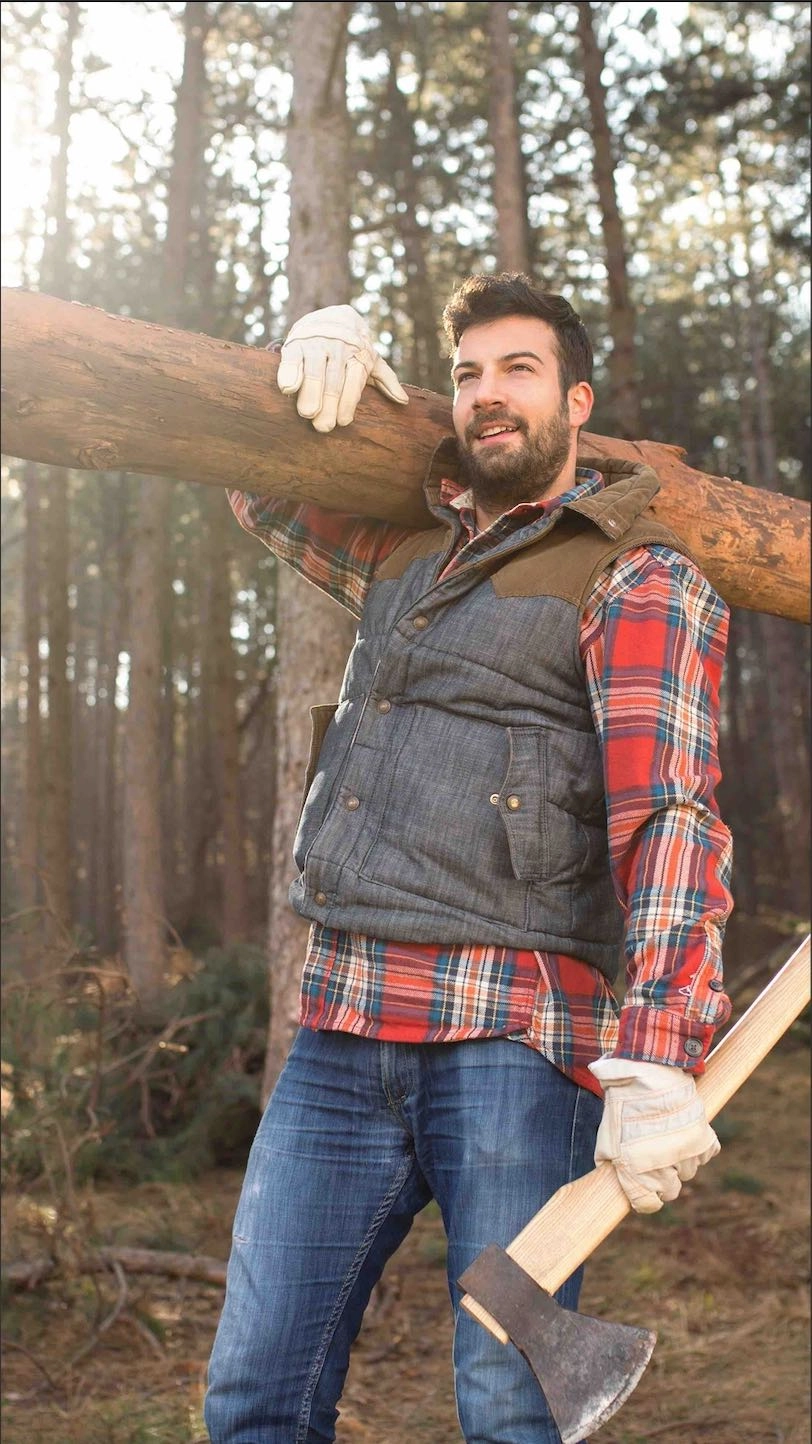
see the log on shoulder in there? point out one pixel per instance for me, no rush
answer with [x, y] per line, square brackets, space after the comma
[85, 389]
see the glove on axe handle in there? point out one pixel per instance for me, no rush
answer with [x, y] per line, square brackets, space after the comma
[582, 1214]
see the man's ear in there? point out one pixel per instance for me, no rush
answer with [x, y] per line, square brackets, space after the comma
[580, 399]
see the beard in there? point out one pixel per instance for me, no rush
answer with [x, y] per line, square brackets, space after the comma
[502, 477]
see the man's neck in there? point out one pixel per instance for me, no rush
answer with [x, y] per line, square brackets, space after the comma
[486, 516]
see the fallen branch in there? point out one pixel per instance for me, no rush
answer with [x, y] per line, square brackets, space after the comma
[28, 1273]
[85, 389]
[118, 1311]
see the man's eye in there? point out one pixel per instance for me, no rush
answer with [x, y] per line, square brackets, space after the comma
[466, 376]
[521, 366]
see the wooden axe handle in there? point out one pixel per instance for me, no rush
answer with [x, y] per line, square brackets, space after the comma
[581, 1214]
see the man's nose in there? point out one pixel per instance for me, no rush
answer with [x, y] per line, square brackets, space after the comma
[489, 390]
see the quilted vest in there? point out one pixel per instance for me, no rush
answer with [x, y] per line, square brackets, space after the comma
[455, 793]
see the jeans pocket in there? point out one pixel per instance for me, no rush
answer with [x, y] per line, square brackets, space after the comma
[521, 803]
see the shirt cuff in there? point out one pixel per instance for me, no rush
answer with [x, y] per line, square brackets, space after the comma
[654, 1035]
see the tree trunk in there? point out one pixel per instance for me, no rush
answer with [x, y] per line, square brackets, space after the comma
[782, 700]
[776, 723]
[735, 753]
[219, 664]
[428, 366]
[56, 852]
[114, 576]
[144, 851]
[81, 388]
[790, 752]
[84, 774]
[624, 395]
[57, 755]
[508, 181]
[143, 918]
[314, 636]
[29, 855]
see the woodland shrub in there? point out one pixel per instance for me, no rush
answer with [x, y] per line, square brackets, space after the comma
[93, 1089]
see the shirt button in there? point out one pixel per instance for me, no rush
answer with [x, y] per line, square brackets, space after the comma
[353, 804]
[384, 705]
[693, 1047]
[320, 898]
[513, 802]
[419, 623]
[715, 986]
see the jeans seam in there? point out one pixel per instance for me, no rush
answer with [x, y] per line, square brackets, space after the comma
[573, 1130]
[349, 1282]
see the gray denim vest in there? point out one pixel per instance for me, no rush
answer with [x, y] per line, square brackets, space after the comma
[455, 794]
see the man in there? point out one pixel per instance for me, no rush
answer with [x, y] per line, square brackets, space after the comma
[518, 780]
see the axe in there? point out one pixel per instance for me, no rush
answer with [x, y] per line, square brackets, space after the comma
[588, 1367]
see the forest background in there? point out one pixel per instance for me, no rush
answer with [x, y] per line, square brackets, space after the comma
[225, 167]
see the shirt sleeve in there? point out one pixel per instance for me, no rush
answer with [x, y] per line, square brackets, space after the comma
[338, 553]
[653, 638]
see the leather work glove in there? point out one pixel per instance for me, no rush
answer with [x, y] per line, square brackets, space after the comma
[653, 1129]
[328, 357]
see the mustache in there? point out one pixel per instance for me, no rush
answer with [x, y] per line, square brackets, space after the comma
[501, 418]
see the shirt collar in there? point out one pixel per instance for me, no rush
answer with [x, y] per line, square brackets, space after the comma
[587, 483]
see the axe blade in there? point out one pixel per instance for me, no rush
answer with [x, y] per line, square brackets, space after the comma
[586, 1367]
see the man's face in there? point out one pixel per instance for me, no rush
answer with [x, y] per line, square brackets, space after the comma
[517, 434]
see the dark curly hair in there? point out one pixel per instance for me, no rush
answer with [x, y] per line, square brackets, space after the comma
[487, 298]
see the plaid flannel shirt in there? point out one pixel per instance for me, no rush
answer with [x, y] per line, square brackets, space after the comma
[652, 642]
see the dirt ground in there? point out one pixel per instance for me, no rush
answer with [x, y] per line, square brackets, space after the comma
[721, 1275]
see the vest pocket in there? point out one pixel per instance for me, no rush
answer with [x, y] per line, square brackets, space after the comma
[521, 803]
[320, 718]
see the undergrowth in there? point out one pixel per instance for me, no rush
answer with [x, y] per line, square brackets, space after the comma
[92, 1089]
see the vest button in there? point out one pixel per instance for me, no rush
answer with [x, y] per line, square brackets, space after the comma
[384, 705]
[419, 623]
[353, 804]
[513, 802]
[494, 798]
[320, 898]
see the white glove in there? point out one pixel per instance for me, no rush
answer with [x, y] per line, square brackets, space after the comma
[653, 1129]
[328, 357]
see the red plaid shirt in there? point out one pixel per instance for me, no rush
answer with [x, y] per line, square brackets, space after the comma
[652, 642]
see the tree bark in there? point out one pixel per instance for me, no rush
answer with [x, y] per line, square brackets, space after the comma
[782, 702]
[314, 635]
[82, 388]
[29, 857]
[144, 922]
[399, 147]
[58, 771]
[115, 554]
[57, 750]
[218, 662]
[508, 183]
[144, 850]
[736, 754]
[625, 398]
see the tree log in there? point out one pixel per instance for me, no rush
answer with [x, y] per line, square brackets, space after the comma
[28, 1273]
[85, 389]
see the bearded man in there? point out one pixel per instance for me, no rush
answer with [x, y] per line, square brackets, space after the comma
[515, 789]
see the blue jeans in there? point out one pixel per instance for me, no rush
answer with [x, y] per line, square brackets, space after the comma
[357, 1138]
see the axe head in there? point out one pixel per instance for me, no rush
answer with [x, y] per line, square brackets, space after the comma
[586, 1368]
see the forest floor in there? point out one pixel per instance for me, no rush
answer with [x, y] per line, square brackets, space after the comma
[721, 1275]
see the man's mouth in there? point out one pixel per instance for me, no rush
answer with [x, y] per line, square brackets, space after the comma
[495, 432]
